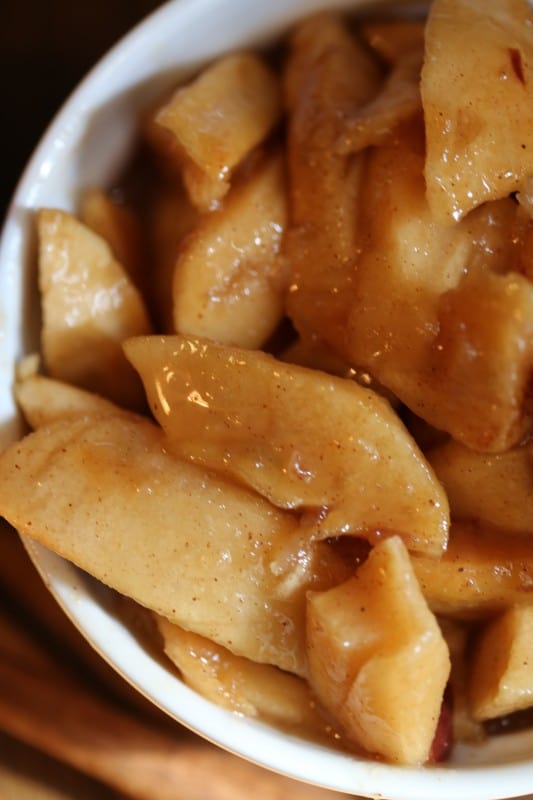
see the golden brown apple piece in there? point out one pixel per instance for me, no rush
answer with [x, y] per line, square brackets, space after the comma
[379, 279]
[89, 306]
[44, 400]
[501, 678]
[435, 315]
[392, 39]
[300, 437]
[120, 227]
[329, 75]
[216, 559]
[235, 682]
[218, 118]
[483, 571]
[482, 361]
[495, 488]
[478, 104]
[377, 659]
[225, 285]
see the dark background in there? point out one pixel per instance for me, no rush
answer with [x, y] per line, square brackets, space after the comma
[46, 47]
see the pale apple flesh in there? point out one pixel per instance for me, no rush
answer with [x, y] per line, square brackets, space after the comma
[478, 69]
[105, 493]
[89, 305]
[502, 667]
[493, 488]
[483, 571]
[257, 690]
[224, 283]
[342, 454]
[218, 118]
[377, 658]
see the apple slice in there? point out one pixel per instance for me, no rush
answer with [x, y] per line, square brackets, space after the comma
[477, 74]
[494, 488]
[300, 437]
[216, 559]
[437, 317]
[501, 678]
[225, 284]
[329, 75]
[218, 118]
[483, 571]
[377, 659]
[89, 305]
[235, 682]
[44, 400]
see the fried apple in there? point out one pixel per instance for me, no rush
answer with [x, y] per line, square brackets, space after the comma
[329, 75]
[225, 283]
[216, 559]
[435, 316]
[483, 571]
[235, 682]
[300, 437]
[377, 659]
[478, 109]
[89, 306]
[495, 488]
[501, 677]
[44, 400]
[218, 119]
[482, 361]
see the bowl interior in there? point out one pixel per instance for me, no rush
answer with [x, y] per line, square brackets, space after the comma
[90, 142]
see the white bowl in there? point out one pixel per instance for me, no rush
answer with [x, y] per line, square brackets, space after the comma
[88, 143]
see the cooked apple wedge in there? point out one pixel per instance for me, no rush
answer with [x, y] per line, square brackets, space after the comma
[392, 39]
[502, 665]
[483, 571]
[120, 227]
[436, 316]
[89, 305]
[44, 400]
[495, 488]
[216, 559]
[224, 284]
[300, 437]
[478, 104]
[377, 658]
[482, 361]
[329, 75]
[235, 682]
[219, 117]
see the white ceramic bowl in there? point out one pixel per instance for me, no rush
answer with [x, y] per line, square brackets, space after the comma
[89, 142]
